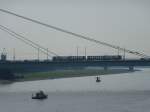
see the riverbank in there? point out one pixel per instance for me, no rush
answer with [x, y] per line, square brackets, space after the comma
[70, 73]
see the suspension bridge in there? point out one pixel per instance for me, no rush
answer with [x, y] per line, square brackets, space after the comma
[59, 62]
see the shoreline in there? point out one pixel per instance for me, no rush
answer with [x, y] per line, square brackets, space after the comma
[58, 74]
[70, 74]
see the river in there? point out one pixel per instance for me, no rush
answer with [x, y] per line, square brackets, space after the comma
[128, 92]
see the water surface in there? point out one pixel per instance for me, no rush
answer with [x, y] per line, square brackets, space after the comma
[128, 92]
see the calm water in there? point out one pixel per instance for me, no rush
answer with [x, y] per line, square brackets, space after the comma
[129, 92]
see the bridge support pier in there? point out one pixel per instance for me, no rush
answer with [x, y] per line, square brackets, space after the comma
[105, 68]
[131, 68]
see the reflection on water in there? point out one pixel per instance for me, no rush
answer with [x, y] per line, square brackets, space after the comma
[114, 93]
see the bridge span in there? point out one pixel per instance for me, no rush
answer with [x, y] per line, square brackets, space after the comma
[39, 66]
[34, 66]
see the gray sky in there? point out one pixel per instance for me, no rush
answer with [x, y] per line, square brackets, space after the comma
[120, 22]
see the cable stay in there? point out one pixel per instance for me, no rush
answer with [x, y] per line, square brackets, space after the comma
[78, 35]
[27, 41]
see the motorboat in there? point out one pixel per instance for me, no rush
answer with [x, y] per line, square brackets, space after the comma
[40, 95]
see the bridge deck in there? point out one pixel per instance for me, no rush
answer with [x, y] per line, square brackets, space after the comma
[29, 66]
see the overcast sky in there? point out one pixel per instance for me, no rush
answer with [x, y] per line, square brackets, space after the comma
[119, 22]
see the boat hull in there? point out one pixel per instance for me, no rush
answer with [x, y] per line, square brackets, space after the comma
[40, 98]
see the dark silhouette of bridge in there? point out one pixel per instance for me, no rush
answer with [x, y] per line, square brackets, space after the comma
[47, 65]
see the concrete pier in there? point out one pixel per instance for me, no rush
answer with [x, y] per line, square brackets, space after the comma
[131, 68]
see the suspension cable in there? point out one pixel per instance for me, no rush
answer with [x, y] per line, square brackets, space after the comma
[75, 34]
[27, 41]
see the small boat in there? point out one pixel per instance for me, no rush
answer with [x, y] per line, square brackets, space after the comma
[98, 79]
[40, 95]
